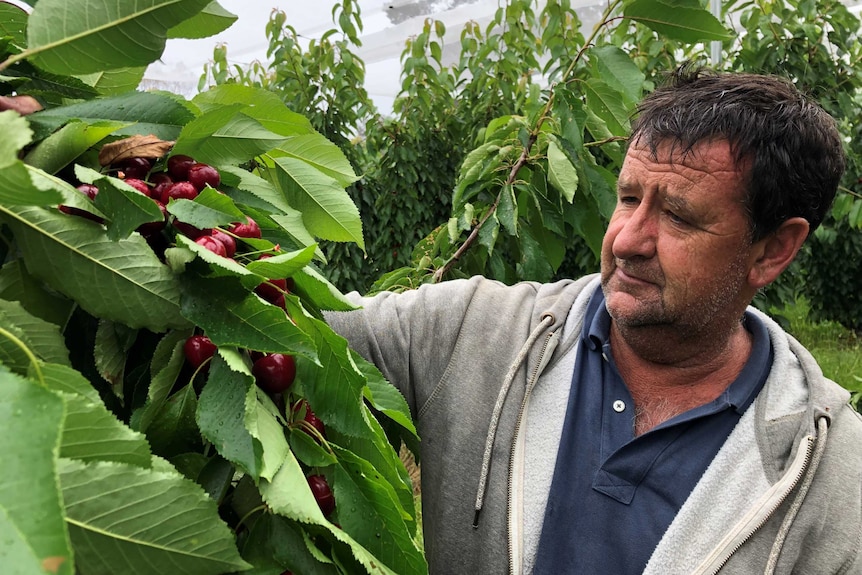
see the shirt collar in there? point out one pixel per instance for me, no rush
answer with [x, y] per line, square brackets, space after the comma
[739, 394]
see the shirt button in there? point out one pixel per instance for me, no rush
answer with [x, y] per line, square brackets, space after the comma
[619, 406]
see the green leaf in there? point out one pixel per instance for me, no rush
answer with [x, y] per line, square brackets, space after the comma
[220, 265]
[113, 342]
[384, 396]
[17, 135]
[683, 20]
[608, 105]
[160, 114]
[16, 284]
[534, 264]
[254, 185]
[16, 184]
[125, 207]
[617, 69]
[18, 187]
[283, 265]
[261, 104]
[319, 152]
[13, 23]
[62, 147]
[587, 222]
[507, 210]
[122, 281]
[174, 429]
[221, 414]
[372, 516]
[208, 22]
[67, 380]
[31, 508]
[327, 210]
[92, 433]
[292, 224]
[308, 450]
[102, 35]
[380, 455]
[335, 386]
[168, 360]
[312, 286]
[125, 519]
[225, 136]
[52, 88]
[115, 82]
[42, 338]
[208, 210]
[266, 429]
[232, 316]
[275, 543]
[288, 494]
[561, 172]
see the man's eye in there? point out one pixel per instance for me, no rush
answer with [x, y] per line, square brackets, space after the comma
[676, 219]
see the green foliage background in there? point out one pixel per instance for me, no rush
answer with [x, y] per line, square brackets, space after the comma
[412, 160]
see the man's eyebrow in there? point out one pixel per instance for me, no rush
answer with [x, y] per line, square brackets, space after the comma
[677, 203]
[626, 185]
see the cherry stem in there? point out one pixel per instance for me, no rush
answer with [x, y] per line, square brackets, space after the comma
[315, 433]
[34, 361]
[245, 517]
[203, 364]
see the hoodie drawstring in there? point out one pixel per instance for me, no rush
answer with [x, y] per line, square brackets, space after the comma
[546, 322]
[819, 448]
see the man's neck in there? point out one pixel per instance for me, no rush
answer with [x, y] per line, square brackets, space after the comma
[666, 376]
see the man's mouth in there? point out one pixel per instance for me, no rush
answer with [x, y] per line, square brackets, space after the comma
[631, 274]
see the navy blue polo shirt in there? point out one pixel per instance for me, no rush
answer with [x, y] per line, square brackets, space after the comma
[613, 495]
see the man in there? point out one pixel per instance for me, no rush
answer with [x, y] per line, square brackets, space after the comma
[647, 420]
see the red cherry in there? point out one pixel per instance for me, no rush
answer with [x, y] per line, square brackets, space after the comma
[269, 290]
[179, 190]
[249, 230]
[190, 231]
[322, 493]
[139, 185]
[151, 228]
[178, 166]
[203, 175]
[88, 190]
[274, 372]
[212, 244]
[228, 241]
[310, 417]
[136, 167]
[198, 349]
[157, 178]
[72, 211]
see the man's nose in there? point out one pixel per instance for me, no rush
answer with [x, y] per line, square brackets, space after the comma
[637, 235]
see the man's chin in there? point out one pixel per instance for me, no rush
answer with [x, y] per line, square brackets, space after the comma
[630, 311]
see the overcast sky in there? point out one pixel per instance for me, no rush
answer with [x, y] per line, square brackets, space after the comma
[386, 25]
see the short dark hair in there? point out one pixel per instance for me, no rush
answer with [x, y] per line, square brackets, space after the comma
[792, 145]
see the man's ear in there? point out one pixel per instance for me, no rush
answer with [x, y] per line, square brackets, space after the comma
[775, 252]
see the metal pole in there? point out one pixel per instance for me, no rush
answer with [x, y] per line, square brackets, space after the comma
[715, 45]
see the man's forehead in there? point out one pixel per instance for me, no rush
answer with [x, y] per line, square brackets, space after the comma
[712, 156]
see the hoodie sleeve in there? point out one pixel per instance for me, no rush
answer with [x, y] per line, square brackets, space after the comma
[409, 336]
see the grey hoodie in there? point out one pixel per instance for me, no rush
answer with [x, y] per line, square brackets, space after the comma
[486, 370]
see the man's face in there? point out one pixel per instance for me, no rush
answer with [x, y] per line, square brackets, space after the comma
[677, 251]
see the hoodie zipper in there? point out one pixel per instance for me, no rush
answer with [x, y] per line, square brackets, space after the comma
[739, 535]
[509, 487]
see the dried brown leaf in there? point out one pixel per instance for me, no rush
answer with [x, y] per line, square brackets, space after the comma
[134, 147]
[22, 104]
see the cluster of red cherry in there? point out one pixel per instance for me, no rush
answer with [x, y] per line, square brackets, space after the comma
[274, 373]
[181, 177]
